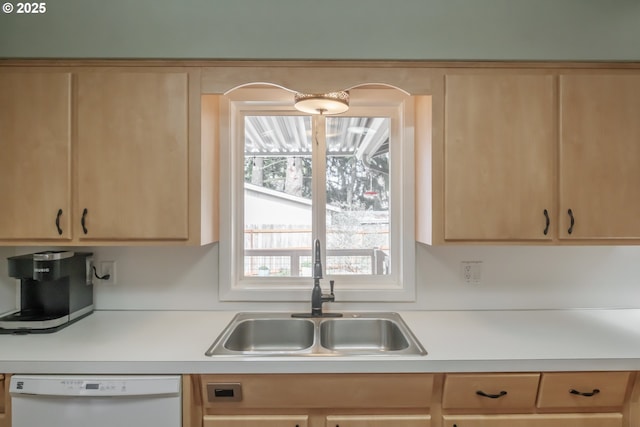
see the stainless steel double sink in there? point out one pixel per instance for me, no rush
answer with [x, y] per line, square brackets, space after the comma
[280, 334]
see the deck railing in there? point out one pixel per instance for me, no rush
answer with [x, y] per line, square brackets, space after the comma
[298, 262]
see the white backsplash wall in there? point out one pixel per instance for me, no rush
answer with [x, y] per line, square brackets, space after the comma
[513, 277]
[183, 278]
[7, 285]
[530, 277]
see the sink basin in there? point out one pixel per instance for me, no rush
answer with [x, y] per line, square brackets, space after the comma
[362, 335]
[279, 334]
[271, 335]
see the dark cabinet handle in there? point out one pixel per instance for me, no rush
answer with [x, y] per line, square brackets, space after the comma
[83, 221]
[585, 394]
[547, 221]
[570, 230]
[58, 221]
[491, 396]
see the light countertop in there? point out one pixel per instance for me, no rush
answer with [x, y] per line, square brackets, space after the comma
[141, 342]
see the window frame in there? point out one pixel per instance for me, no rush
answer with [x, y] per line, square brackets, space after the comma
[400, 284]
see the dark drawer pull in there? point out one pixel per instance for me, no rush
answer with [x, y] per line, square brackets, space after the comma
[547, 221]
[587, 394]
[58, 221]
[573, 221]
[83, 221]
[491, 396]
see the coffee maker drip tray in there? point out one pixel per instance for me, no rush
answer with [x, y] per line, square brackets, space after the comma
[30, 320]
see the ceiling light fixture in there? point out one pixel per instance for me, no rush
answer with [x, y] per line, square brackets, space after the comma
[323, 103]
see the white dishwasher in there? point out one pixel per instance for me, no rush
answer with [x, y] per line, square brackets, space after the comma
[96, 401]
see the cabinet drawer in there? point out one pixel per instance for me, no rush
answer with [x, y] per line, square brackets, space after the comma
[548, 420]
[378, 421]
[255, 421]
[490, 391]
[583, 389]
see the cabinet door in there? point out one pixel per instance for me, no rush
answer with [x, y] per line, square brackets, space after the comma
[378, 421]
[255, 421]
[534, 420]
[600, 156]
[499, 157]
[133, 154]
[35, 155]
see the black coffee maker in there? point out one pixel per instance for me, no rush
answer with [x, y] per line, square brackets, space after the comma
[56, 289]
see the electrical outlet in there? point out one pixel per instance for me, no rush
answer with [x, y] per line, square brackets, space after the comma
[108, 268]
[471, 271]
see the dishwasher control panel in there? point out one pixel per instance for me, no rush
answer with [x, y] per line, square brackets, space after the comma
[69, 385]
[107, 386]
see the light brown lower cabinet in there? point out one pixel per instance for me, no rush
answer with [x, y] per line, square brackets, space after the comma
[255, 421]
[378, 421]
[521, 399]
[315, 400]
[5, 407]
[548, 399]
[330, 421]
[534, 420]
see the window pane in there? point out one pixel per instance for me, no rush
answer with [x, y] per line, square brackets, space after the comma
[277, 196]
[357, 211]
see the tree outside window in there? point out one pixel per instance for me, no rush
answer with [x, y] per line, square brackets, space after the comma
[279, 175]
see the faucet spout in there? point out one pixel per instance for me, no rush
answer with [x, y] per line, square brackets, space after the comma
[317, 261]
[317, 297]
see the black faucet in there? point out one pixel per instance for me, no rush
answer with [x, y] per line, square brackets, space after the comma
[317, 297]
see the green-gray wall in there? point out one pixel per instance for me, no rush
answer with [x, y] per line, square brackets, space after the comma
[326, 29]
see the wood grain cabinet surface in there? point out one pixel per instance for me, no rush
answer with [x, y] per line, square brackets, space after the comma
[499, 144]
[35, 155]
[2, 402]
[133, 164]
[599, 159]
[530, 155]
[510, 399]
[420, 420]
[255, 421]
[5, 405]
[583, 389]
[490, 391]
[322, 391]
[317, 400]
[107, 155]
[549, 399]
[534, 420]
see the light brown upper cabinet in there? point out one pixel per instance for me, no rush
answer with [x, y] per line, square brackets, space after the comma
[499, 140]
[530, 156]
[35, 155]
[126, 154]
[599, 156]
[133, 147]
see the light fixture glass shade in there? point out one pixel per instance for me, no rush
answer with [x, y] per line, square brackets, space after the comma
[322, 103]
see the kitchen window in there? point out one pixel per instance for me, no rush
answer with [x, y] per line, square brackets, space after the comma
[293, 177]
